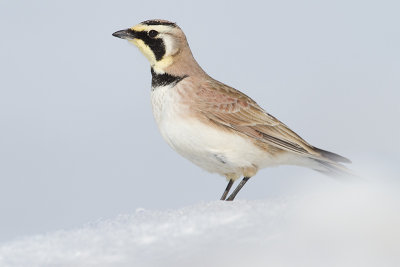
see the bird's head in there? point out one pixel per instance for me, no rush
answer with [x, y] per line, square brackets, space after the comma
[159, 40]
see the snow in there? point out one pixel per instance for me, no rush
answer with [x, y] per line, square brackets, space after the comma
[337, 224]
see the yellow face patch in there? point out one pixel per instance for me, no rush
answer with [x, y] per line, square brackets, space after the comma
[142, 27]
[159, 66]
[165, 61]
[145, 49]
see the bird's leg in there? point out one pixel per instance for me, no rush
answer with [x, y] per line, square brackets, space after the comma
[228, 187]
[237, 189]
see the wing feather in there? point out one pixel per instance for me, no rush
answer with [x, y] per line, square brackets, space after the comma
[228, 107]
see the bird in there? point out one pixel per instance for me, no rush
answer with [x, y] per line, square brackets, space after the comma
[216, 127]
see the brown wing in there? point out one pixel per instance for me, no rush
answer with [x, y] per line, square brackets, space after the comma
[228, 107]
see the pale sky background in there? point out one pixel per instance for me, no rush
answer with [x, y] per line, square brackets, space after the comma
[77, 138]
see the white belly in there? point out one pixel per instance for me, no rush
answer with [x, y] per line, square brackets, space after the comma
[210, 148]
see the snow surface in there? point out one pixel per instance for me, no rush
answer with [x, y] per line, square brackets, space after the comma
[340, 225]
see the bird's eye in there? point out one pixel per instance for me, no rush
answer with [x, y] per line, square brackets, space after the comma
[153, 33]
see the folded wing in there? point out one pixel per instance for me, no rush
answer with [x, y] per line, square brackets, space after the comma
[230, 108]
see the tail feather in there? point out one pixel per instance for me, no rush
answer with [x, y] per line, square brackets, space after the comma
[332, 169]
[332, 156]
[331, 164]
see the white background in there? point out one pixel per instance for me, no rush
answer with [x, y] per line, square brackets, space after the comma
[77, 138]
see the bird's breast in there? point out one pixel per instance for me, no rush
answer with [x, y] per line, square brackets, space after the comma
[166, 104]
[210, 148]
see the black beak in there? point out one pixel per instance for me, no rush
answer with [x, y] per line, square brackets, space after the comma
[125, 34]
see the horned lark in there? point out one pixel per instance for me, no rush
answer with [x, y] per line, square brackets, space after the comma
[211, 124]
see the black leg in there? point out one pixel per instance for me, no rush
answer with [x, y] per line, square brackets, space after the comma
[237, 189]
[228, 187]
